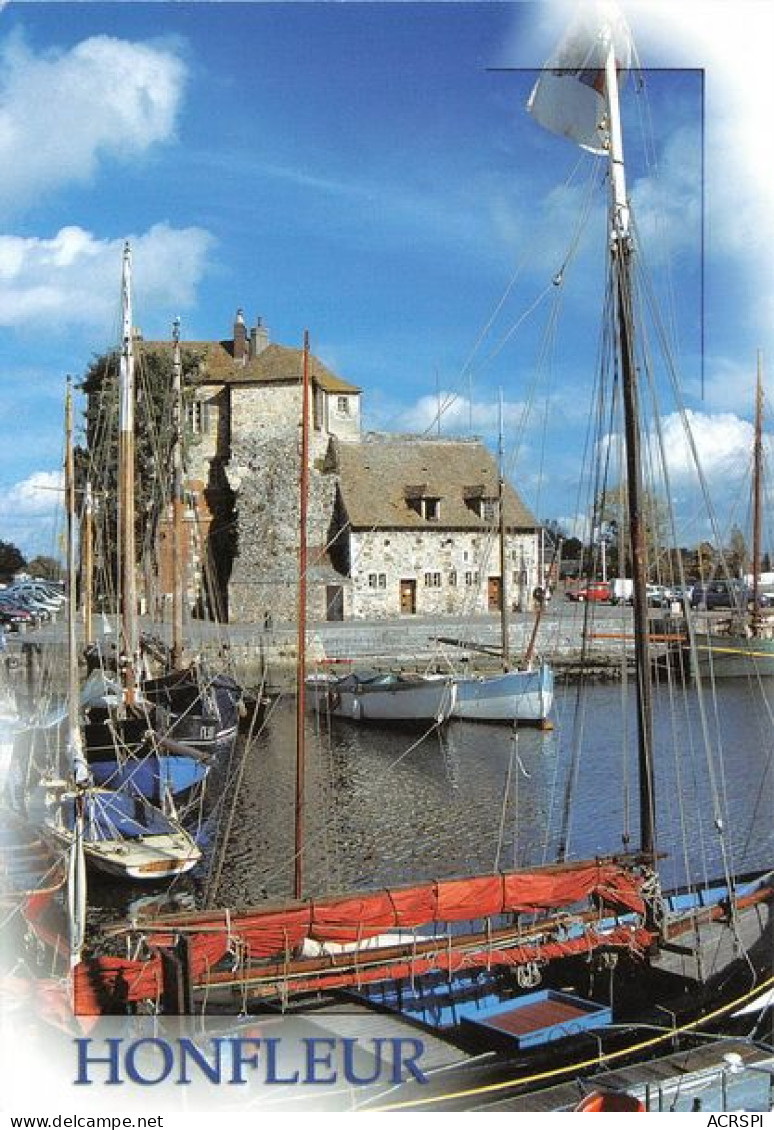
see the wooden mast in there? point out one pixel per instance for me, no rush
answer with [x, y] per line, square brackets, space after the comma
[87, 566]
[126, 535]
[757, 498]
[78, 767]
[504, 619]
[298, 885]
[178, 563]
[621, 252]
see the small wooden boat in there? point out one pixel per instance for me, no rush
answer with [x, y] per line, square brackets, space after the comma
[368, 696]
[123, 833]
[31, 873]
[511, 696]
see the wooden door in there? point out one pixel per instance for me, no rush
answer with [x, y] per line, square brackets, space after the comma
[408, 596]
[494, 594]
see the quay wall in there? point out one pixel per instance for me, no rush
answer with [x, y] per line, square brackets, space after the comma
[268, 655]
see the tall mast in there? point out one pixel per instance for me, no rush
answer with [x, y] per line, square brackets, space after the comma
[178, 571]
[77, 758]
[298, 885]
[621, 251]
[87, 566]
[757, 494]
[76, 865]
[126, 538]
[504, 620]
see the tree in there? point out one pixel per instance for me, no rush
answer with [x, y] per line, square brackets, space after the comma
[47, 567]
[11, 560]
[97, 463]
[611, 513]
[736, 554]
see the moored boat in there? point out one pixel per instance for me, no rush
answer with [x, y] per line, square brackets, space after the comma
[123, 834]
[369, 696]
[513, 696]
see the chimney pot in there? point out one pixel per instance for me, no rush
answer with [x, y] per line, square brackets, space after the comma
[240, 337]
[259, 337]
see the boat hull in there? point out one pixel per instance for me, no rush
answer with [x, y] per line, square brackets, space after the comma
[122, 835]
[386, 699]
[515, 696]
[201, 712]
[726, 657]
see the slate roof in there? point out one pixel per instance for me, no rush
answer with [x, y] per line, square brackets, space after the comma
[275, 364]
[379, 476]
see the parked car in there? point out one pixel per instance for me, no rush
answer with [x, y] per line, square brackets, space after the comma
[15, 616]
[659, 596]
[598, 591]
[39, 593]
[718, 594]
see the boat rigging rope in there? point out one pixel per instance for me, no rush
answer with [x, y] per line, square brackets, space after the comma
[214, 878]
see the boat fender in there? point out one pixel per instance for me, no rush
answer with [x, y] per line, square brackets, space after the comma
[356, 708]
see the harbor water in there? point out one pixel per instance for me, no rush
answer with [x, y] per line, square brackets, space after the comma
[395, 806]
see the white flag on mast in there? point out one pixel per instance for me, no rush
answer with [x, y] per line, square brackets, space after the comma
[569, 97]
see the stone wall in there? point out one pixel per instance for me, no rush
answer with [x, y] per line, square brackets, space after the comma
[450, 571]
[264, 472]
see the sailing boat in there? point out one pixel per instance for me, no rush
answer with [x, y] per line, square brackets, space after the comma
[118, 831]
[127, 735]
[600, 934]
[743, 643]
[520, 694]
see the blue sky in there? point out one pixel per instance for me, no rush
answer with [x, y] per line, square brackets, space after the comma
[368, 171]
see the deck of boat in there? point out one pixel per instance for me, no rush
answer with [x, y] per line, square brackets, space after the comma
[660, 1083]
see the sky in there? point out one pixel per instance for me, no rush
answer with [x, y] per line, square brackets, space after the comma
[369, 172]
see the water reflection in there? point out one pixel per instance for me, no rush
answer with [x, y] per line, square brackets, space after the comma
[392, 807]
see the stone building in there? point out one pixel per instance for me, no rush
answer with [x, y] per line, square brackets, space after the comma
[416, 529]
[396, 525]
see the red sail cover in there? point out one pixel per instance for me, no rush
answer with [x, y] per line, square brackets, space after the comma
[279, 931]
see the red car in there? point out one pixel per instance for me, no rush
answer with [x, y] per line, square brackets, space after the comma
[590, 590]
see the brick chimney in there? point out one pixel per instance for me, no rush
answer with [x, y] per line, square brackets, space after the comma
[240, 337]
[259, 337]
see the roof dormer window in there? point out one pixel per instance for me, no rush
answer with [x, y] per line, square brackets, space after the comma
[483, 504]
[428, 506]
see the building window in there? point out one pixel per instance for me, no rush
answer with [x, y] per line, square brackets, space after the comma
[471, 579]
[197, 417]
[488, 509]
[432, 580]
[382, 580]
[453, 579]
[372, 580]
[342, 405]
[377, 580]
[426, 505]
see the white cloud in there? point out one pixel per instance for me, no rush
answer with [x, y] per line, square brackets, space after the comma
[74, 277]
[60, 112]
[31, 513]
[457, 415]
[723, 443]
[40, 493]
